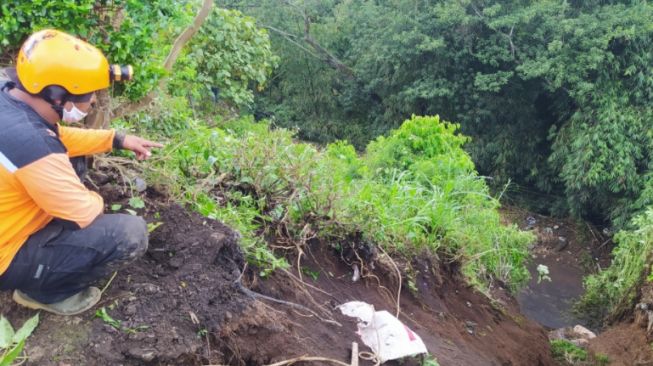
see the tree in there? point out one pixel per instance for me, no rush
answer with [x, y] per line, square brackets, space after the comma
[555, 95]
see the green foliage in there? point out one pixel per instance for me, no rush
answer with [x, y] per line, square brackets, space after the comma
[424, 146]
[430, 360]
[556, 95]
[615, 289]
[567, 353]
[117, 324]
[136, 202]
[414, 190]
[12, 342]
[229, 56]
[601, 359]
[128, 31]
[106, 318]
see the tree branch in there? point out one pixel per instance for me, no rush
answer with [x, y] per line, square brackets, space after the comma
[180, 42]
[513, 48]
[318, 51]
[292, 39]
[327, 57]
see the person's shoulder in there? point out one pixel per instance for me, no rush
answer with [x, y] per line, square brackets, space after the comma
[27, 140]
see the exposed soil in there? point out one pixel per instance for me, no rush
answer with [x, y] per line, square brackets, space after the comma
[628, 342]
[184, 284]
[625, 344]
[181, 305]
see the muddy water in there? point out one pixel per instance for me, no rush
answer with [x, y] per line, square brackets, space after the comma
[550, 302]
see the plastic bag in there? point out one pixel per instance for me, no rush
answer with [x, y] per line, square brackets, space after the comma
[386, 335]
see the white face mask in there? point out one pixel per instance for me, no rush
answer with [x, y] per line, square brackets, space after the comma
[74, 115]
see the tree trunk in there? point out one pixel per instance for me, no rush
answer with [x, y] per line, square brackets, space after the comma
[100, 116]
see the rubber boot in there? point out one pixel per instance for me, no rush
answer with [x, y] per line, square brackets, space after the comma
[73, 305]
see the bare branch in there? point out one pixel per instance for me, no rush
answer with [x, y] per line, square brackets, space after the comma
[292, 39]
[508, 36]
[180, 42]
[188, 34]
[327, 57]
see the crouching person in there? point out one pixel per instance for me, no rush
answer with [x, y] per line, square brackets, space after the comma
[55, 241]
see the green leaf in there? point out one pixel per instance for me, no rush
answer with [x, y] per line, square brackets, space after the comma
[116, 207]
[9, 358]
[6, 333]
[26, 330]
[102, 314]
[136, 202]
[151, 226]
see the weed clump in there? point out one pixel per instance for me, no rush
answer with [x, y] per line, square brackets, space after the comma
[413, 190]
[613, 291]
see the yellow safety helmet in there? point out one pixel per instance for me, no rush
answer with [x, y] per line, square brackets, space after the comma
[53, 58]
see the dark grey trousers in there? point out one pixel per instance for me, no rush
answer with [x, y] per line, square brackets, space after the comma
[57, 262]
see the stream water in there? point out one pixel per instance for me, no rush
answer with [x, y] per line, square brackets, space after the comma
[570, 251]
[550, 302]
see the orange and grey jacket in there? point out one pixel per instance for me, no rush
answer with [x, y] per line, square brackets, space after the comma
[37, 180]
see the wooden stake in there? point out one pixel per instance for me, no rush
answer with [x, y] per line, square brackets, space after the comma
[354, 354]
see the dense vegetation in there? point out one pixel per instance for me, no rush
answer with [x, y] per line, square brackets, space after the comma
[555, 96]
[228, 56]
[414, 191]
[612, 292]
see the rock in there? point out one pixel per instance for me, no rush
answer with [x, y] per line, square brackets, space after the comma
[562, 244]
[557, 334]
[469, 304]
[578, 335]
[470, 326]
[583, 343]
[146, 355]
[556, 227]
[149, 288]
[530, 221]
[101, 178]
[139, 184]
[644, 317]
[583, 332]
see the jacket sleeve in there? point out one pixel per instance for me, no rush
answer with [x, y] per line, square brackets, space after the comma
[82, 141]
[53, 185]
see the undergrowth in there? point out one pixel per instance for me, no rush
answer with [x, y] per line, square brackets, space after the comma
[413, 190]
[568, 354]
[614, 290]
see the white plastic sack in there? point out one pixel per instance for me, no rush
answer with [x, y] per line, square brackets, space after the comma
[388, 337]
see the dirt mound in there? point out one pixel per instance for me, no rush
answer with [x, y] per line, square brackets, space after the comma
[181, 305]
[625, 344]
[459, 325]
[168, 303]
[628, 341]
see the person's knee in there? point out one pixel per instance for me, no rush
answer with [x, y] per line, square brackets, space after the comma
[133, 238]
